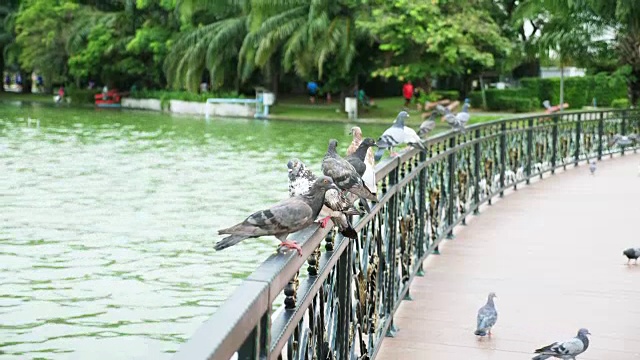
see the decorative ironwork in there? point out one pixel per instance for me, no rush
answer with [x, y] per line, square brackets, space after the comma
[344, 308]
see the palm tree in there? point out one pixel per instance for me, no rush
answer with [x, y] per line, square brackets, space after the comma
[213, 47]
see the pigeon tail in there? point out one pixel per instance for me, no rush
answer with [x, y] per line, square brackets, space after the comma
[480, 332]
[349, 232]
[229, 241]
[378, 155]
[418, 145]
[541, 357]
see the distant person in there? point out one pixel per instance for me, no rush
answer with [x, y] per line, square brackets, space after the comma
[60, 94]
[19, 79]
[312, 87]
[407, 92]
[7, 80]
[105, 92]
[40, 83]
[204, 87]
[92, 84]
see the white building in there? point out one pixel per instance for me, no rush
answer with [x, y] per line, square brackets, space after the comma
[554, 72]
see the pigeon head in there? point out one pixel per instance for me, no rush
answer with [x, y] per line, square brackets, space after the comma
[368, 142]
[323, 183]
[492, 295]
[356, 132]
[467, 101]
[583, 332]
[402, 116]
[333, 143]
[295, 167]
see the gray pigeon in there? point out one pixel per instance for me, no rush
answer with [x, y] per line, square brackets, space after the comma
[428, 125]
[282, 219]
[565, 350]
[487, 317]
[357, 158]
[345, 175]
[632, 254]
[459, 120]
[398, 134]
[592, 167]
[624, 140]
[336, 203]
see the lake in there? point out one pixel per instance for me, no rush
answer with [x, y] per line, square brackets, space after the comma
[108, 217]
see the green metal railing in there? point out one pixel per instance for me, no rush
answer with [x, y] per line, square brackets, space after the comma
[344, 307]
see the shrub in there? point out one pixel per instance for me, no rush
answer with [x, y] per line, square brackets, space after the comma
[620, 103]
[578, 91]
[81, 96]
[165, 96]
[476, 99]
[447, 94]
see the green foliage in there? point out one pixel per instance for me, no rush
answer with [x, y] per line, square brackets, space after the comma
[183, 95]
[428, 38]
[80, 96]
[518, 100]
[620, 103]
[447, 94]
[578, 91]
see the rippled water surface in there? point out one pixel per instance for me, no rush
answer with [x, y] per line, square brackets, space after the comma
[107, 220]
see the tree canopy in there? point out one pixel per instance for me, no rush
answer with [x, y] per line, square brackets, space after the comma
[239, 44]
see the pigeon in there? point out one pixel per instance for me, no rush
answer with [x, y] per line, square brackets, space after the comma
[427, 125]
[487, 317]
[624, 140]
[357, 139]
[565, 350]
[632, 254]
[282, 219]
[592, 167]
[345, 175]
[336, 204]
[365, 166]
[398, 134]
[459, 120]
[546, 104]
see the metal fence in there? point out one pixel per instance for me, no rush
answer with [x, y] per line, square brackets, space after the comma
[344, 307]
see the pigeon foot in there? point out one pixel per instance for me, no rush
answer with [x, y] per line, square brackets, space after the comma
[324, 221]
[289, 244]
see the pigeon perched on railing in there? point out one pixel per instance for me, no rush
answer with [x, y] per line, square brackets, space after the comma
[592, 167]
[398, 134]
[624, 140]
[427, 125]
[345, 175]
[282, 219]
[487, 317]
[356, 132]
[336, 204]
[360, 161]
[565, 350]
[459, 120]
[632, 254]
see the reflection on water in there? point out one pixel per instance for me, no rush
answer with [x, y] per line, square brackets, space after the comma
[107, 220]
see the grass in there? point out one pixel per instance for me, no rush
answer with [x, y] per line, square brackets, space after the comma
[298, 108]
[384, 110]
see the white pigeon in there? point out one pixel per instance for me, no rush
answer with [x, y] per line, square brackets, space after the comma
[398, 134]
[565, 349]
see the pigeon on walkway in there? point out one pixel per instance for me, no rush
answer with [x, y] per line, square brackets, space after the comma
[624, 140]
[632, 254]
[398, 134]
[592, 167]
[565, 350]
[345, 175]
[282, 219]
[428, 125]
[487, 317]
[459, 120]
[336, 204]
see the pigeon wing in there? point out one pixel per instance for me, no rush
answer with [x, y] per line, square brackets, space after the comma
[570, 347]
[391, 137]
[287, 216]
[487, 317]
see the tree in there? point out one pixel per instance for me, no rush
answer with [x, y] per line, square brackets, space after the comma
[425, 39]
[8, 49]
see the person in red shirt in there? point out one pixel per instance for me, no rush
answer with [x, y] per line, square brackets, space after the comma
[407, 92]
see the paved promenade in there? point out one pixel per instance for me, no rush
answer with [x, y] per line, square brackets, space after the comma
[552, 252]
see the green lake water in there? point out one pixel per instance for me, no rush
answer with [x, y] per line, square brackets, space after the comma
[108, 217]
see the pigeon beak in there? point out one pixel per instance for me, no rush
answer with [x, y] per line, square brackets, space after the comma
[334, 186]
[588, 333]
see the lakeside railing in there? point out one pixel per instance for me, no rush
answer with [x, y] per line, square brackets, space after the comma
[344, 307]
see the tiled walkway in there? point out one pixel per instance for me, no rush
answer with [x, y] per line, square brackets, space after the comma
[552, 252]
